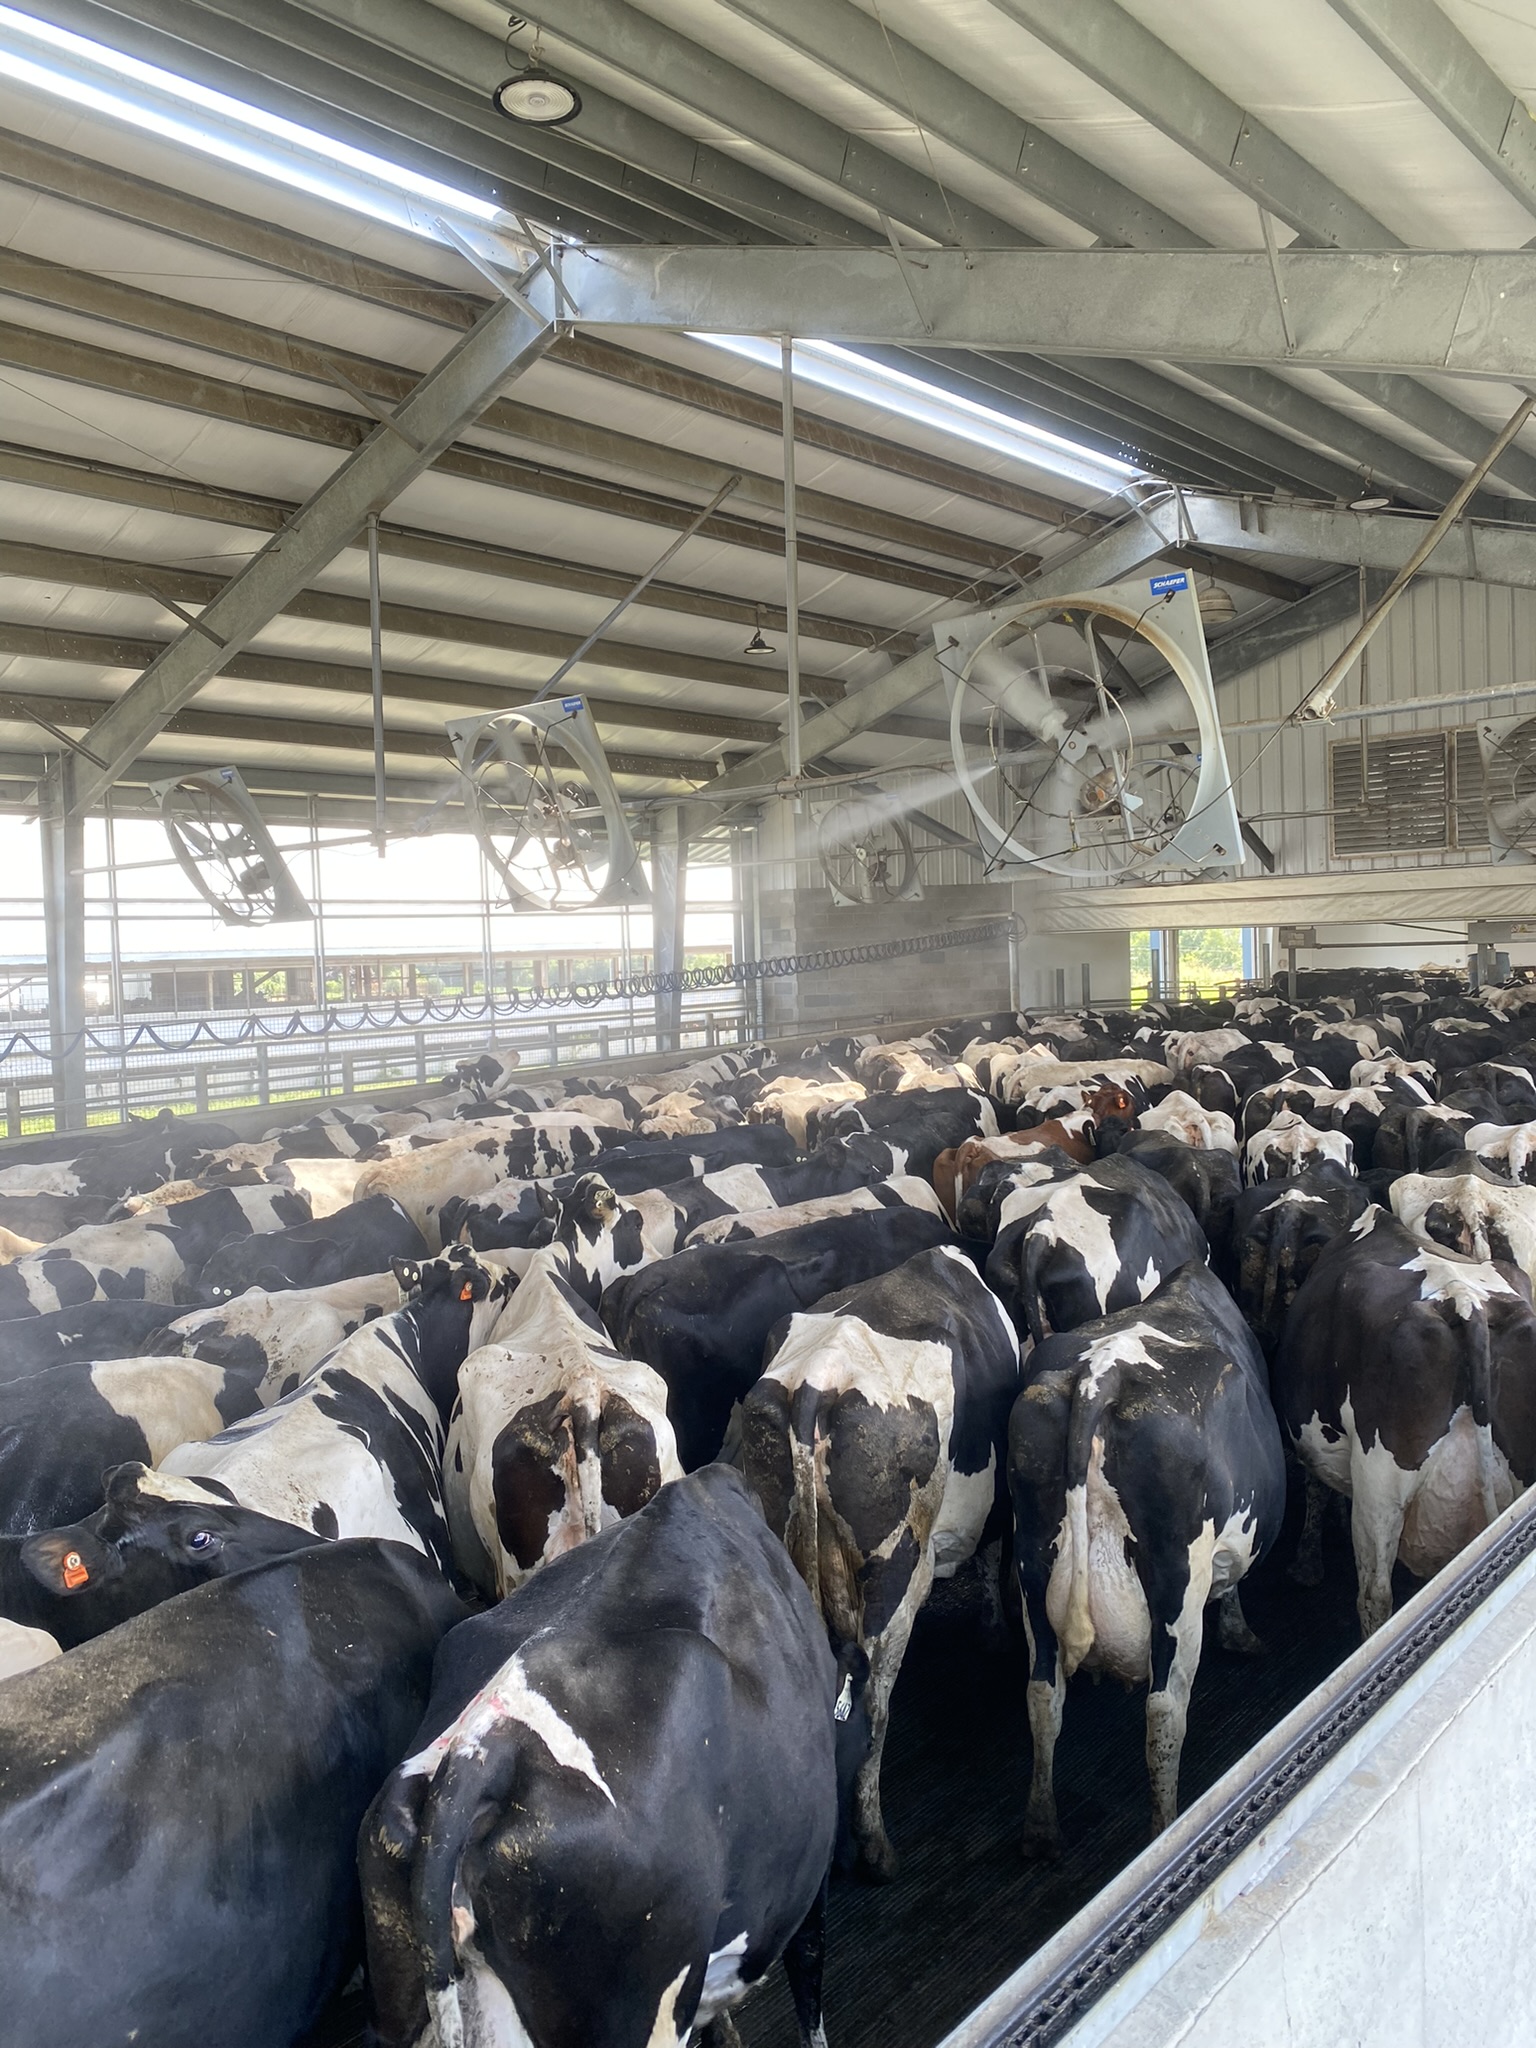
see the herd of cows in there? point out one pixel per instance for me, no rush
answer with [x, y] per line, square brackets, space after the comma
[482, 1539]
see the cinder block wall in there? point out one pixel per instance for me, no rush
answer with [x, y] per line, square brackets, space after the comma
[961, 981]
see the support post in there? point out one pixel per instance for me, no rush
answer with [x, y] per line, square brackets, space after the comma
[669, 890]
[63, 830]
[791, 560]
[376, 668]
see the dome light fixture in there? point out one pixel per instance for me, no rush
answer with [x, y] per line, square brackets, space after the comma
[1371, 497]
[757, 645]
[533, 97]
[1215, 603]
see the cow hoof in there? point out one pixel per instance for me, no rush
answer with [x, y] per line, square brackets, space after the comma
[878, 1862]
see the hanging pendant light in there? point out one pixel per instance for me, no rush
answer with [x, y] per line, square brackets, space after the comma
[532, 96]
[1215, 603]
[1370, 498]
[757, 645]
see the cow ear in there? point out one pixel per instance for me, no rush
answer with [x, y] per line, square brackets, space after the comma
[120, 1483]
[65, 1561]
[408, 1273]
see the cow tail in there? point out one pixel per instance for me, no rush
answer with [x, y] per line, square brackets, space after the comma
[1280, 1265]
[586, 1429]
[1031, 1257]
[803, 1537]
[460, 1791]
[1480, 1370]
[1090, 1397]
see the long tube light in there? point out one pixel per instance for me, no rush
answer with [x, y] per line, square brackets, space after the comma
[101, 80]
[852, 375]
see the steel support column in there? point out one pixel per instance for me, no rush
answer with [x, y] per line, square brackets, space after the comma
[63, 830]
[669, 892]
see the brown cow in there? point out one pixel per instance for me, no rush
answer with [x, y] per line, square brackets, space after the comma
[955, 1170]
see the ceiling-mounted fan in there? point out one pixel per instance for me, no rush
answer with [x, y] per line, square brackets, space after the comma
[1071, 765]
[545, 809]
[1507, 747]
[867, 855]
[225, 850]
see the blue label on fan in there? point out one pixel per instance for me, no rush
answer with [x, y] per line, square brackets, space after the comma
[570, 703]
[1160, 586]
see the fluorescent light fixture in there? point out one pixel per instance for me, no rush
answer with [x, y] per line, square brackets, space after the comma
[101, 80]
[897, 391]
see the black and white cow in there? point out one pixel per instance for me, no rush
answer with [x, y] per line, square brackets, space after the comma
[356, 1449]
[702, 1317]
[60, 1429]
[138, 1549]
[876, 1441]
[1471, 1213]
[917, 1126]
[211, 1849]
[422, 1182]
[902, 1191]
[623, 1802]
[357, 1240]
[605, 1234]
[1509, 1149]
[1147, 1478]
[97, 1329]
[1288, 1144]
[1208, 1182]
[123, 1162]
[1070, 1249]
[143, 1258]
[280, 1338]
[554, 1437]
[1406, 1380]
[1278, 1230]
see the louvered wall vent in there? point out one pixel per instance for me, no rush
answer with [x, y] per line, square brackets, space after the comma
[1406, 792]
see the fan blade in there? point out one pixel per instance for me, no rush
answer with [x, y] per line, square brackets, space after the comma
[1020, 693]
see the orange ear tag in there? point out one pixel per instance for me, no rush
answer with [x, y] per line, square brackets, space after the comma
[75, 1573]
[467, 1291]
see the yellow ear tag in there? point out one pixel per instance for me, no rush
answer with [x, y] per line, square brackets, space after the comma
[75, 1573]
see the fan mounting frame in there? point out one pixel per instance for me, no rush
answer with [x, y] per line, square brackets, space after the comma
[1161, 610]
[214, 800]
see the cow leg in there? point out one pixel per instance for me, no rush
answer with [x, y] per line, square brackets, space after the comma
[1045, 1697]
[993, 1564]
[804, 1958]
[1306, 1567]
[877, 1859]
[1232, 1630]
[1382, 1492]
[1176, 1644]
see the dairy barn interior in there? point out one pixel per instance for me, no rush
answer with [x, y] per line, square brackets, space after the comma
[768, 1027]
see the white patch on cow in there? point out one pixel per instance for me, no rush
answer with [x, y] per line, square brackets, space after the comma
[1325, 1454]
[1364, 1224]
[24, 1649]
[509, 1697]
[542, 1348]
[54, 1177]
[665, 2032]
[1207, 1130]
[1094, 1600]
[160, 1485]
[1004, 1321]
[908, 1190]
[723, 1983]
[1467, 1287]
[1122, 1347]
[291, 1459]
[476, 2011]
[963, 1512]
[173, 1400]
[1149, 1282]
[741, 1187]
[1069, 1219]
[1288, 1145]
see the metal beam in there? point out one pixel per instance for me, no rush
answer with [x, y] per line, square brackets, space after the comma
[282, 730]
[642, 47]
[442, 693]
[1473, 550]
[1431, 55]
[1458, 312]
[120, 486]
[1109, 45]
[63, 836]
[1124, 432]
[448, 399]
[567, 432]
[331, 607]
[458, 138]
[52, 355]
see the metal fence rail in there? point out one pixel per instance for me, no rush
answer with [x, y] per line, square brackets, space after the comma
[232, 1061]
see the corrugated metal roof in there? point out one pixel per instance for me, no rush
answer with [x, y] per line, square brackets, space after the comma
[137, 398]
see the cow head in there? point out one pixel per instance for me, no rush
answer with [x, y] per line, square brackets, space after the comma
[453, 1300]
